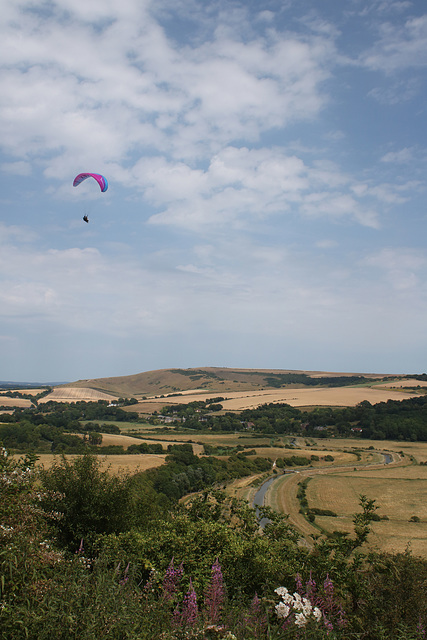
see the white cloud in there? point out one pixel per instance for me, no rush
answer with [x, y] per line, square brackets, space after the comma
[399, 47]
[231, 127]
[243, 185]
[403, 156]
[101, 92]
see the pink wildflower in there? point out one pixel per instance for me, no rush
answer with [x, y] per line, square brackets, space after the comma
[171, 580]
[214, 598]
[190, 611]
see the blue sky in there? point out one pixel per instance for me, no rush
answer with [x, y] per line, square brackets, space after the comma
[267, 186]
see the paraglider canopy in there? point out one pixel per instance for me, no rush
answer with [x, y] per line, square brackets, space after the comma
[103, 184]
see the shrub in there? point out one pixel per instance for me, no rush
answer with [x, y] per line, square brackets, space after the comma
[322, 512]
[91, 502]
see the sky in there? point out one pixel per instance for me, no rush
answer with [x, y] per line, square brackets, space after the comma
[267, 170]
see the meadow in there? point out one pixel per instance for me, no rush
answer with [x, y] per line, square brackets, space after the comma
[115, 464]
[400, 494]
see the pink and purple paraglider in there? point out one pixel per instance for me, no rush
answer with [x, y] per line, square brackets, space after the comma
[103, 184]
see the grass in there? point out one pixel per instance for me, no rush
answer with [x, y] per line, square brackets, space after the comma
[400, 493]
[5, 401]
[399, 489]
[114, 463]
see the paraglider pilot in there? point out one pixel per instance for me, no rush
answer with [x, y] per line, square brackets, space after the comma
[85, 218]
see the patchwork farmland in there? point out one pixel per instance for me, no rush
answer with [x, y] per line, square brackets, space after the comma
[354, 467]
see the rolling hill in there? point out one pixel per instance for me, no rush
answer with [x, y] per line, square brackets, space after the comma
[209, 379]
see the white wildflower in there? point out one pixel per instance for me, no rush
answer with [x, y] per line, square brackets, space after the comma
[307, 607]
[282, 610]
[281, 591]
[297, 602]
[300, 620]
[317, 613]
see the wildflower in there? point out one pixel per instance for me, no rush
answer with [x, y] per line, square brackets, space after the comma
[171, 580]
[282, 610]
[420, 630]
[297, 601]
[214, 598]
[297, 608]
[286, 596]
[257, 619]
[300, 620]
[307, 607]
[317, 613]
[310, 588]
[190, 611]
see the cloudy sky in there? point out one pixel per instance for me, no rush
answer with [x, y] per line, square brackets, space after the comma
[267, 169]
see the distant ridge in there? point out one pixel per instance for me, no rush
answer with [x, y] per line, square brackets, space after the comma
[212, 379]
[8, 384]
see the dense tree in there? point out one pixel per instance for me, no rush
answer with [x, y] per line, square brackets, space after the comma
[91, 501]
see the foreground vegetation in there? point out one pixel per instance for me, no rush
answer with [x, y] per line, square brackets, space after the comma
[87, 554]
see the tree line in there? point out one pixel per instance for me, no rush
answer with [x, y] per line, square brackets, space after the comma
[392, 420]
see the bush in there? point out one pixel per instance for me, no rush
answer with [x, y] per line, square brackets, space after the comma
[91, 502]
[322, 512]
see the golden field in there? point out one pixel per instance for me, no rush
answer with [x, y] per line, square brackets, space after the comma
[400, 489]
[125, 441]
[115, 464]
[14, 402]
[244, 388]
[74, 394]
[400, 493]
[416, 449]
[294, 396]
[210, 379]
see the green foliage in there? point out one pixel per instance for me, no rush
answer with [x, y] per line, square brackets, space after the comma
[324, 512]
[123, 584]
[393, 596]
[208, 527]
[186, 473]
[145, 447]
[404, 419]
[90, 501]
